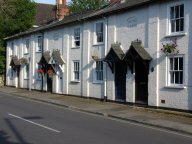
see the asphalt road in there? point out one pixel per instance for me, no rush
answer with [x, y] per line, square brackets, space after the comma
[29, 122]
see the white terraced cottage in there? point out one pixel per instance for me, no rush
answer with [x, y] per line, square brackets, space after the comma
[136, 51]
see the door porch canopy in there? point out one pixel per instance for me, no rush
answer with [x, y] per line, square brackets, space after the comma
[15, 62]
[137, 52]
[114, 55]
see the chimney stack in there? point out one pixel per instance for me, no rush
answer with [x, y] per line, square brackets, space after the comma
[62, 9]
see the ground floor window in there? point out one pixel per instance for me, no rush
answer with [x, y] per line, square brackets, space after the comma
[98, 71]
[39, 72]
[175, 70]
[76, 69]
[26, 71]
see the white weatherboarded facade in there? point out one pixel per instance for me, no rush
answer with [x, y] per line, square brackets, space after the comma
[116, 55]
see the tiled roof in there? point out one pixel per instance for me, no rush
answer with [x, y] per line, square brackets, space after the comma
[58, 57]
[45, 13]
[115, 53]
[15, 61]
[129, 4]
[137, 49]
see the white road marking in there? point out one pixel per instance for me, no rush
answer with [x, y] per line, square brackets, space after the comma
[34, 123]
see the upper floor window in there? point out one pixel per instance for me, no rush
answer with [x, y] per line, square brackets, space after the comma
[39, 44]
[175, 70]
[98, 73]
[77, 37]
[12, 49]
[177, 18]
[27, 46]
[76, 69]
[99, 30]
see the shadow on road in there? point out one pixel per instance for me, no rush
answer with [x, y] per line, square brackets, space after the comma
[4, 137]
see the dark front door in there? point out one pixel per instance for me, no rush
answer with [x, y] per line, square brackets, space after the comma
[120, 81]
[141, 82]
[49, 84]
[18, 75]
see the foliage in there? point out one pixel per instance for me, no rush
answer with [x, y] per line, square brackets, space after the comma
[170, 48]
[15, 16]
[77, 6]
[23, 61]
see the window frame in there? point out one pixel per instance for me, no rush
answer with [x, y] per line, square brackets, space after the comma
[175, 32]
[98, 72]
[38, 76]
[75, 38]
[39, 44]
[96, 35]
[169, 83]
[27, 45]
[26, 71]
[12, 49]
[76, 70]
[11, 73]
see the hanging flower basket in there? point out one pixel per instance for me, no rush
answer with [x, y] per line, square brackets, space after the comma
[170, 48]
[50, 73]
[41, 72]
[23, 61]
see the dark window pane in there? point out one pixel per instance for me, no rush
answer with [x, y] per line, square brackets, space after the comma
[171, 63]
[172, 77]
[176, 77]
[177, 25]
[182, 24]
[172, 13]
[176, 64]
[182, 10]
[180, 63]
[177, 12]
[181, 77]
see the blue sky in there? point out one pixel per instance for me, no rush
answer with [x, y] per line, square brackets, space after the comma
[47, 1]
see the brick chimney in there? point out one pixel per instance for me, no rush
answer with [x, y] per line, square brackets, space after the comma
[62, 9]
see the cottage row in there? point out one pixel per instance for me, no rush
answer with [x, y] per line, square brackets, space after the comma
[135, 52]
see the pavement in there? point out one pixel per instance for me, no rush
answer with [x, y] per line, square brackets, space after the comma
[175, 121]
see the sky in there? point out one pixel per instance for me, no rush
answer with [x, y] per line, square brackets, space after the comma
[48, 1]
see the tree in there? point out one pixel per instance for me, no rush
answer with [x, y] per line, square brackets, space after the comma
[15, 16]
[77, 6]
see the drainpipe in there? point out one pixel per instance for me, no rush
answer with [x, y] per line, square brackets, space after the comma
[106, 46]
[42, 56]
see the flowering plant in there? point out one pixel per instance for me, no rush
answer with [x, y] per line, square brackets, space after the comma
[50, 73]
[170, 48]
[41, 72]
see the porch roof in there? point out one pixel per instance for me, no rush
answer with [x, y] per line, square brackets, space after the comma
[115, 53]
[15, 61]
[58, 57]
[137, 50]
[45, 58]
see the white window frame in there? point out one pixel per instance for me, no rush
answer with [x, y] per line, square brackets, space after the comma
[12, 49]
[96, 33]
[76, 71]
[39, 44]
[38, 76]
[169, 19]
[77, 37]
[26, 46]
[173, 70]
[11, 73]
[26, 71]
[98, 72]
